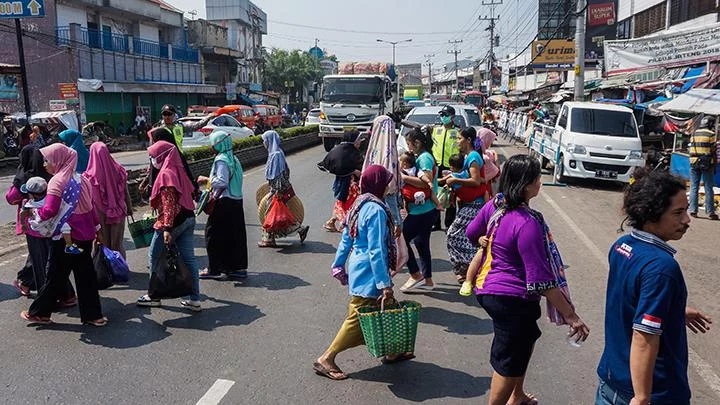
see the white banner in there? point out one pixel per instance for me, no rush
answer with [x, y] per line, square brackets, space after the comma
[505, 81]
[673, 49]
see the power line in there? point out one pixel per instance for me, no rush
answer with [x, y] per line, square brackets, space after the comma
[362, 32]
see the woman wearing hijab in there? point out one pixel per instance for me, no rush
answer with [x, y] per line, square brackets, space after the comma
[277, 173]
[69, 199]
[74, 139]
[345, 162]
[111, 198]
[225, 234]
[164, 134]
[367, 251]
[382, 150]
[32, 275]
[172, 199]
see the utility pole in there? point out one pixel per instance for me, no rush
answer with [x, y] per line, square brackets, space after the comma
[23, 71]
[456, 51]
[580, 52]
[428, 63]
[493, 40]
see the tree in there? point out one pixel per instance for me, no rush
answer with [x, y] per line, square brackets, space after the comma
[287, 72]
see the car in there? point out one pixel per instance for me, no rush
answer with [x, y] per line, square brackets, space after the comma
[224, 122]
[465, 115]
[313, 117]
[270, 113]
[416, 103]
[200, 110]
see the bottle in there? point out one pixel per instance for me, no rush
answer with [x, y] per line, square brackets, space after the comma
[571, 340]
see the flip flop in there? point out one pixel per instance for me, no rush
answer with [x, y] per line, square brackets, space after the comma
[304, 233]
[326, 372]
[35, 319]
[267, 244]
[330, 228]
[531, 402]
[398, 359]
[411, 284]
[24, 291]
[97, 323]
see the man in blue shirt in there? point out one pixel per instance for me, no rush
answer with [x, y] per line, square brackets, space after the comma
[646, 350]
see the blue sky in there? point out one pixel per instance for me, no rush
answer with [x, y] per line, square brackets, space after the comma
[350, 29]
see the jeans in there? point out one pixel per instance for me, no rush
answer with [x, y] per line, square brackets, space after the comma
[417, 229]
[182, 237]
[707, 178]
[608, 396]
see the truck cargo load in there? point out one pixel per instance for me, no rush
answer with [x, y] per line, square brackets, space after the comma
[367, 68]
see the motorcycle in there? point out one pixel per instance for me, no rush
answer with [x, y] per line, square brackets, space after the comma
[261, 127]
[10, 147]
[658, 160]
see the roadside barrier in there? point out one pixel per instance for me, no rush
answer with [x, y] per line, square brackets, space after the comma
[544, 142]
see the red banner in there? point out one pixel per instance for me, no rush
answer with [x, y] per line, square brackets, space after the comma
[68, 91]
[601, 14]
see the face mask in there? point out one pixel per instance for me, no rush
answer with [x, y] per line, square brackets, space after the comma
[154, 163]
[445, 119]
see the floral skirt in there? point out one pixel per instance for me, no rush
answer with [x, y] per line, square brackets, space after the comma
[460, 249]
[341, 208]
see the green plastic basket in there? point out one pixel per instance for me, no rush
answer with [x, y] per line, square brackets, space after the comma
[142, 232]
[390, 330]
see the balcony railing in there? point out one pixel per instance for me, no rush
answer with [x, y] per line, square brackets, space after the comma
[121, 43]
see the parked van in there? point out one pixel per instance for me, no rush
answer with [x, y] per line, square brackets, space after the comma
[598, 141]
[242, 113]
[270, 113]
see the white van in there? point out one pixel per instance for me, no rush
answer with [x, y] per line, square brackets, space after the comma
[598, 141]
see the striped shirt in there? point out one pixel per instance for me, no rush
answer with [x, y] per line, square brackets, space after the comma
[701, 143]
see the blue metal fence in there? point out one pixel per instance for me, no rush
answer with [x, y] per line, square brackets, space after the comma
[186, 54]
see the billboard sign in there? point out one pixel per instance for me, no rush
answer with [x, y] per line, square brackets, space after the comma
[666, 50]
[601, 14]
[22, 9]
[553, 54]
[58, 105]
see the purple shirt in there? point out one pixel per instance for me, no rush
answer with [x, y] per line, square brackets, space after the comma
[518, 253]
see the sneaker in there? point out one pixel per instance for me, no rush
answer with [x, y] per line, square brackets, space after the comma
[466, 289]
[146, 301]
[73, 249]
[192, 305]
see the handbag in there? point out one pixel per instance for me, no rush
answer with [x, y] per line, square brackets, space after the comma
[119, 267]
[390, 330]
[142, 231]
[103, 269]
[703, 163]
[444, 195]
[279, 216]
[170, 278]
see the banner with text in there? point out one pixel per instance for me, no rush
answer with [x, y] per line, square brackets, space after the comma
[674, 49]
[553, 54]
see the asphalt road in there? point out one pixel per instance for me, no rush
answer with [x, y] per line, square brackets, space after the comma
[255, 341]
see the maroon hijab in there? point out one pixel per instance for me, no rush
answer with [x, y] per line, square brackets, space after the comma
[374, 180]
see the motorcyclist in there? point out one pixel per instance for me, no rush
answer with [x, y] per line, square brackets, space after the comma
[488, 116]
[178, 128]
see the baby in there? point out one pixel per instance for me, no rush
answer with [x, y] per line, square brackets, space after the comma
[36, 188]
[457, 164]
[413, 194]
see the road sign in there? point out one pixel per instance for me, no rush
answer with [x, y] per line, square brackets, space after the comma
[22, 8]
[58, 105]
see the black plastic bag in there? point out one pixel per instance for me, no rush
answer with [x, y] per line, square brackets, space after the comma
[171, 278]
[103, 269]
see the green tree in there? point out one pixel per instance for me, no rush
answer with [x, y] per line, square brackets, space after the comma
[288, 71]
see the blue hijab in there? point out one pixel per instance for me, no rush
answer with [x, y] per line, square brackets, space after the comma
[276, 164]
[73, 139]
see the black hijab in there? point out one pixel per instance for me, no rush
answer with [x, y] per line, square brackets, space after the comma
[344, 158]
[164, 134]
[32, 164]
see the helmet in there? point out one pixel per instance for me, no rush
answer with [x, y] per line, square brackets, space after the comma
[447, 110]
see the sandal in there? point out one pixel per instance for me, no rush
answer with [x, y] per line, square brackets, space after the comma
[98, 322]
[24, 291]
[397, 359]
[42, 320]
[304, 233]
[330, 226]
[333, 374]
[411, 284]
[267, 244]
[68, 303]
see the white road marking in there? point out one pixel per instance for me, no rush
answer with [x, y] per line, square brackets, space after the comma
[216, 393]
[703, 368]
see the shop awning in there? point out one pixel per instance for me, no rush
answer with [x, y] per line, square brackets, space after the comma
[692, 72]
[695, 101]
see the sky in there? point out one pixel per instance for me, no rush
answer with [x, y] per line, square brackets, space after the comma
[350, 29]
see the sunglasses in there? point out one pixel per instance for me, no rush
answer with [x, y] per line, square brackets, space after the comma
[443, 114]
[167, 113]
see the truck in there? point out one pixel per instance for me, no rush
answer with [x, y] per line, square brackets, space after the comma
[413, 92]
[354, 97]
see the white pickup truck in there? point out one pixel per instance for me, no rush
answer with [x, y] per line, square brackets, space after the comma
[591, 140]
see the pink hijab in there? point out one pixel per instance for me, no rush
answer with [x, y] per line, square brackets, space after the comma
[171, 174]
[486, 136]
[64, 161]
[109, 180]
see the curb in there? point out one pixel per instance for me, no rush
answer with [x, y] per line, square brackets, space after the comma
[12, 249]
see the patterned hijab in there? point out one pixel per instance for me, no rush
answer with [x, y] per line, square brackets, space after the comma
[382, 150]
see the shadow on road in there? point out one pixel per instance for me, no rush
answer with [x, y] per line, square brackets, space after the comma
[308, 247]
[128, 327]
[455, 322]
[8, 292]
[450, 294]
[417, 382]
[272, 281]
[211, 318]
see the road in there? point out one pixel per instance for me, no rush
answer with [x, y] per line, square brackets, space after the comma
[263, 334]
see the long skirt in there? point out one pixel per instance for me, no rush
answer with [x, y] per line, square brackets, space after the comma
[342, 207]
[226, 237]
[460, 249]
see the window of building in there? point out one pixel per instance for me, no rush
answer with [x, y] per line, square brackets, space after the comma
[623, 29]
[650, 20]
[684, 10]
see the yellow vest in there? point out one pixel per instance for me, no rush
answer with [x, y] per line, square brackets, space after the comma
[445, 144]
[178, 132]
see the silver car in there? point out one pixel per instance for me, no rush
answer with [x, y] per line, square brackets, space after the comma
[201, 137]
[313, 117]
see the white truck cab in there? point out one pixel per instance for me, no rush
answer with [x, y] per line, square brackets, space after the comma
[598, 141]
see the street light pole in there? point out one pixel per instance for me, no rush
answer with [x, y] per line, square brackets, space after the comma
[394, 43]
